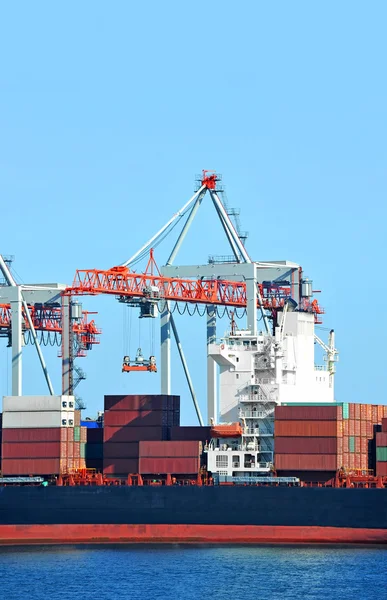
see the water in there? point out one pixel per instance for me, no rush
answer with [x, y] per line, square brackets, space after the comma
[185, 573]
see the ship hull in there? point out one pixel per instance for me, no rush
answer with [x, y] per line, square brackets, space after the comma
[191, 514]
[14, 535]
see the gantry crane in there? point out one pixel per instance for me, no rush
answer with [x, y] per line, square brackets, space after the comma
[240, 283]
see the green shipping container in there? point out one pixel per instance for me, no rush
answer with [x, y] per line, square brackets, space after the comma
[351, 443]
[345, 410]
[381, 454]
[82, 449]
[77, 434]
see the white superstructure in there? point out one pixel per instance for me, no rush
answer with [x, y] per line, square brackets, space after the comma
[256, 372]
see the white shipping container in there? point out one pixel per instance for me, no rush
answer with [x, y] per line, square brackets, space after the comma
[36, 419]
[38, 403]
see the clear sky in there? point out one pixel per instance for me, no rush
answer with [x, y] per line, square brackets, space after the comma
[108, 110]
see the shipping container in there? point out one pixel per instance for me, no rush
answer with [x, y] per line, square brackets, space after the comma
[137, 418]
[37, 419]
[363, 428]
[33, 466]
[202, 434]
[142, 402]
[94, 436]
[305, 429]
[381, 454]
[380, 413]
[357, 444]
[357, 411]
[306, 445]
[77, 418]
[169, 449]
[351, 410]
[345, 459]
[346, 427]
[83, 431]
[121, 449]
[384, 425]
[351, 427]
[38, 403]
[77, 450]
[370, 430]
[351, 443]
[77, 434]
[381, 438]
[41, 434]
[33, 450]
[173, 466]
[82, 450]
[307, 413]
[345, 410]
[120, 466]
[381, 469]
[95, 463]
[94, 451]
[374, 413]
[357, 428]
[364, 445]
[134, 434]
[305, 462]
[70, 449]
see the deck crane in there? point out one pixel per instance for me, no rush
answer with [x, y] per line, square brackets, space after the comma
[332, 354]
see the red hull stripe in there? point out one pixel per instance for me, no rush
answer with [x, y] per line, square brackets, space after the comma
[237, 534]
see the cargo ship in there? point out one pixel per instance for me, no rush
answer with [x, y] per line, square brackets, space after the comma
[280, 460]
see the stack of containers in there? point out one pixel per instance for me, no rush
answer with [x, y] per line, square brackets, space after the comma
[381, 451]
[36, 431]
[174, 458]
[325, 437]
[131, 419]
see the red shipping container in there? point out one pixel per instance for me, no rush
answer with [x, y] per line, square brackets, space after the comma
[120, 466]
[83, 434]
[173, 466]
[340, 445]
[134, 434]
[357, 444]
[135, 418]
[169, 449]
[202, 434]
[70, 434]
[306, 413]
[363, 428]
[357, 427]
[352, 460]
[346, 443]
[32, 450]
[351, 408]
[351, 427]
[305, 429]
[345, 427]
[70, 463]
[142, 402]
[77, 449]
[381, 439]
[380, 413]
[70, 449]
[381, 469]
[369, 412]
[357, 411]
[43, 434]
[364, 461]
[32, 466]
[357, 461]
[301, 445]
[370, 430]
[374, 418]
[363, 412]
[77, 418]
[120, 450]
[384, 425]
[384, 411]
[346, 459]
[305, 462]
[339, 428]
[364, 445]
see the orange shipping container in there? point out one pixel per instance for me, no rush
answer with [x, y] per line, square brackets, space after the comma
[357, 411]
[374, 417]
[351, 427]
[305, 429]
[351, 408]
[363, 428]
[380, 413]
[363, 412]
[345, 427]
[346, 459]
[357, 427]
[363, 445]
[346, 443]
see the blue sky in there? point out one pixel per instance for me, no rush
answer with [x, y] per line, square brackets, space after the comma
[107, 111]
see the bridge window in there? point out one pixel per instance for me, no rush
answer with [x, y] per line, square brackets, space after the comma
[221, 461]
[236, 461]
